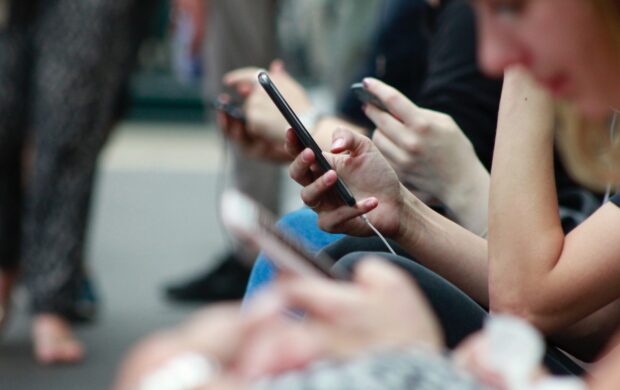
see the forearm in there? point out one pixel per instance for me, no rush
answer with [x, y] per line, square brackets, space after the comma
[468, 201]
[525, 234]
[445, 247]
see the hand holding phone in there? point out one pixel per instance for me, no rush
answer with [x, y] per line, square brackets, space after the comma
[302, 134]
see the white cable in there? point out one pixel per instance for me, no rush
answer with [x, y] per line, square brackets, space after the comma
[374, 229]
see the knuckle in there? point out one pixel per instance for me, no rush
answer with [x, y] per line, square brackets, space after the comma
[325, 224]
[392, 98]
[412, 146]
[405, 161]
[423, 126]
[305, 197]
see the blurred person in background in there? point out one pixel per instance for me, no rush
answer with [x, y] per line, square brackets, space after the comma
[250, 33]
[231, 34]
[63, 66]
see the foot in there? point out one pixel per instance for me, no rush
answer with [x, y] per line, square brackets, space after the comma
[7, 280]
[226, 282]
[54, 341]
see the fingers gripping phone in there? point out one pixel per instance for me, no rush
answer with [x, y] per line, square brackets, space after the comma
[253, 224]
[366, 97]
[302, 134]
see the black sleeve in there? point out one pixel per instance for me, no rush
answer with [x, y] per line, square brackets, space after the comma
[405, 59]
[616, 199]
[455, 85]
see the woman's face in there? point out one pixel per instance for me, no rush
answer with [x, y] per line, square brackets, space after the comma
[564, 43]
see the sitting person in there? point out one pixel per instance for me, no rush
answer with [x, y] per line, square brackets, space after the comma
[444, 78]
[438, 244]
[380, 310]
[351, 339]
[441, 73]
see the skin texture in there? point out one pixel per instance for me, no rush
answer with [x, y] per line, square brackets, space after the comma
[563, 43]
[558, 279]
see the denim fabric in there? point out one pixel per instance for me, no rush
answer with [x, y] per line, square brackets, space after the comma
[301, 223]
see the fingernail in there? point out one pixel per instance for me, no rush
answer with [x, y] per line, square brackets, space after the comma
[338, 143]
[370, 202]
[366, 82]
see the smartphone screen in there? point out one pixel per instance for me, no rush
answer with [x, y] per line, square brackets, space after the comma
[302, 134]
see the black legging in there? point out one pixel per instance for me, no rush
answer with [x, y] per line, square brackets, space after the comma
[63, 64]
[459, 315]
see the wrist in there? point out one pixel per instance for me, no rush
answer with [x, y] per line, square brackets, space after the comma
[408, 233]
[468, 199]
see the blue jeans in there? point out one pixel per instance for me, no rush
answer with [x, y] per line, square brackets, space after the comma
[301, 223]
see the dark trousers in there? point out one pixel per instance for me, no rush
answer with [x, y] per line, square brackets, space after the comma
[63, 64]
[458, 314]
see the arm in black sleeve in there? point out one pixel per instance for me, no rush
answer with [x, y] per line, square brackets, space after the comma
[400, 43]
[455, 85]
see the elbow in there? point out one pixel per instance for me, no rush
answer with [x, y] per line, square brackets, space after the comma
[523, 306]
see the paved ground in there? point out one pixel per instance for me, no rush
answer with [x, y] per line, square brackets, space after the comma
[153, 222]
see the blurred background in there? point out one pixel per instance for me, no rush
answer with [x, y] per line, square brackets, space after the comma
[152, 220]
[153, 216]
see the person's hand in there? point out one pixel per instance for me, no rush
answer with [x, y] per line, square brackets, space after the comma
[217, 332]
[263, 118]
[252, 145]
[381, 309]
[472, 356]
[426, 148]
[367, 175]
[196, 10]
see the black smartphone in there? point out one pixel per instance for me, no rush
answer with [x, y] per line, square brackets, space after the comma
[232, 109]
[302, 134]
[366, 97]
[256, 226]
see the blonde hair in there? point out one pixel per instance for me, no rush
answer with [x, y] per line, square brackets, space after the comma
[589, 149]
